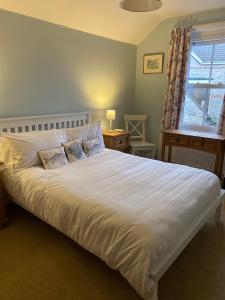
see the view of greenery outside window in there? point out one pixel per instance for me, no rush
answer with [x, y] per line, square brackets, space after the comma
[205, 87]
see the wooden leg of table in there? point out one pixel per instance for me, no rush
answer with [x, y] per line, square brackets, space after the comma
[220, 168]
[217, 162]
[153, 152]
[163, 148]
[170, 154]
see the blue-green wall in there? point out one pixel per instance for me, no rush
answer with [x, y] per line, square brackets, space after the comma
[150, 89]
[46, 68]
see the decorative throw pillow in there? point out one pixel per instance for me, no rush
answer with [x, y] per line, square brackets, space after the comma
[74, 151]
[92, 147]
[86, 132]
[53, 158]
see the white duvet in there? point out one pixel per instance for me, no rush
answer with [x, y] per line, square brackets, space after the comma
[126, 210]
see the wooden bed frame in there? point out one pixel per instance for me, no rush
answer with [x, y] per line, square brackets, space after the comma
[45, 122]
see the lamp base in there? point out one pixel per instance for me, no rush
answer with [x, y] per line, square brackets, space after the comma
[110, 126]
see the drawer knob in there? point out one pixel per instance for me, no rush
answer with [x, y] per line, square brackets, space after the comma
[177, 140]
[202, 144]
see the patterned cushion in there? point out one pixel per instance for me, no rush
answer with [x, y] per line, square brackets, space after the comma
[92, 146]
[53, 158]
[74, 151]
[86, 132]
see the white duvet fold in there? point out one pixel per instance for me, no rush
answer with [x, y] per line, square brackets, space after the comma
[125, 209]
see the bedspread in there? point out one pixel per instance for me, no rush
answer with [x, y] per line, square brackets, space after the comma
[125, 209]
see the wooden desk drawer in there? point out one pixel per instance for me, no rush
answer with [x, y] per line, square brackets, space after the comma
[203, 144]
[176, 139]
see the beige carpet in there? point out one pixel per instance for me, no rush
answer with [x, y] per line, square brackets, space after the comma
[38, 262]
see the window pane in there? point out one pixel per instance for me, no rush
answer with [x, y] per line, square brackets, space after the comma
[218, 69]
[215, 105]
[205, 86]
[193, 112]
[200, 63]
[202, 106]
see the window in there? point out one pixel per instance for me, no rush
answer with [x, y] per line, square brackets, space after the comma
[205, 86]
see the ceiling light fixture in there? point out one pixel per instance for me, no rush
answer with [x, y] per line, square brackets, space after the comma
[140, 5]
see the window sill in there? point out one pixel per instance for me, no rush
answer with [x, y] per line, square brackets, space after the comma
[199, 128]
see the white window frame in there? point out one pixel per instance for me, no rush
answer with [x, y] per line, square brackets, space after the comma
[194, 127]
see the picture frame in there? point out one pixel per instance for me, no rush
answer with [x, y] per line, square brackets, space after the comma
[153, 63]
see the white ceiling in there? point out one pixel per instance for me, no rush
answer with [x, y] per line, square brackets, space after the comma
[105, 17]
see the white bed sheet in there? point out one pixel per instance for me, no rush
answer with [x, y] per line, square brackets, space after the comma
[125, 209]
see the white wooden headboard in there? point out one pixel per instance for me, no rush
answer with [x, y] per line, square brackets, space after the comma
[44, 122]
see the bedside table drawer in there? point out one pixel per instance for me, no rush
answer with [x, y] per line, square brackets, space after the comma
[108, 143]
[121, 140]
[122, 146]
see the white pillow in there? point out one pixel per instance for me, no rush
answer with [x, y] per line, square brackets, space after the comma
[20, 150]
[88, 131]
[93, 139]
[69, 134]
[53, 158]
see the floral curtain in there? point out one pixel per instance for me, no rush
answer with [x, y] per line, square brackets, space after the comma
[176, 76]
[221, 124]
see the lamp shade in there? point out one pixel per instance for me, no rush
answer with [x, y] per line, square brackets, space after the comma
[111, 114]
[140, 5]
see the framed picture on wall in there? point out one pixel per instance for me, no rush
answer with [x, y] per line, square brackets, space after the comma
[153, 63]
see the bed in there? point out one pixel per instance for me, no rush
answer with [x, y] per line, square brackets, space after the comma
[136, 214]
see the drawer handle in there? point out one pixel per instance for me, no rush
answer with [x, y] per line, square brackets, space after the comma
[177, 140]
[121, 142]
[202, 144]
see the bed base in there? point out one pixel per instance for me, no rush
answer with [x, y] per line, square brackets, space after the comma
[46, 122]
[216, 211]
[219, 215]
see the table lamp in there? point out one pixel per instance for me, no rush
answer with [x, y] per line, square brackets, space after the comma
[110, 115]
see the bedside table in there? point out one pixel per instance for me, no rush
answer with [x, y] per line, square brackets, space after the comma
[3, 218]
[117, 140]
